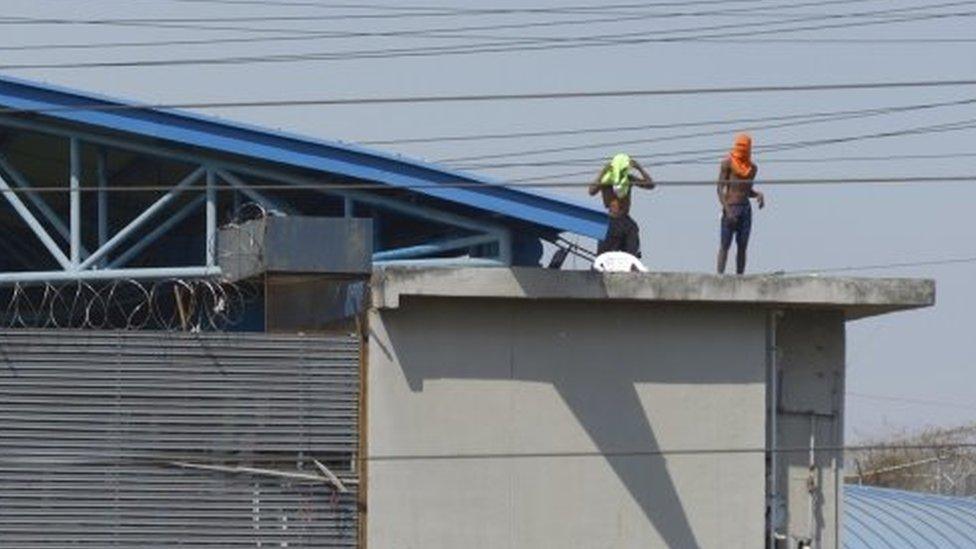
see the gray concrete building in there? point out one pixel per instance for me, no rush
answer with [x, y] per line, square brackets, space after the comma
[518, 408]
[193, 354]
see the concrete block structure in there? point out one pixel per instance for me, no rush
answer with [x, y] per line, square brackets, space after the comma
[517, 408]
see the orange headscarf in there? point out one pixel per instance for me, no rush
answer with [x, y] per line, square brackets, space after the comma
[740, 158]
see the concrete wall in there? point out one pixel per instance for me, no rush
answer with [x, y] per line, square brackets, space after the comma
[811, 364]
[496, 380]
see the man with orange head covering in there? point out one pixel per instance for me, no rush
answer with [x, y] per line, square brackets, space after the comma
[735, 180]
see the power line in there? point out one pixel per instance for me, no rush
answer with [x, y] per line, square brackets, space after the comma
[480, 98]
[451, 32]
[643, 127]
[894, 180]
[508, 45]
[918, 401]
[917, 130]
[460, 10]
[666, 452]
[398, 12]
[864, 113]
[902, 265]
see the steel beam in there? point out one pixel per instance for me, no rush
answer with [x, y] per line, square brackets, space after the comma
[21, 182]
[158, 232]
[211, 218]
[263, 199]
[75, 190]
[34, 224]
[108, 274]
[143, 217]
[348, 207]
[358, 196]
[430, 248]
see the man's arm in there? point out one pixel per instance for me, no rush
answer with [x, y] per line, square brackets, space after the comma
[644, 181]
[595, 186]
[723, 178]
[753, 193]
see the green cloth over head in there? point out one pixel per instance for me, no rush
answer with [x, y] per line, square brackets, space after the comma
[618, 174]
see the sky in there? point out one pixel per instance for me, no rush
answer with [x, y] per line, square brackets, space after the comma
[906, 371]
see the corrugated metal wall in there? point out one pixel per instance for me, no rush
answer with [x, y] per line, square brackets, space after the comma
[138, 439]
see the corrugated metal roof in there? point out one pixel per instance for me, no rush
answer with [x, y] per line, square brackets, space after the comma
[303, 152]
[896, 519]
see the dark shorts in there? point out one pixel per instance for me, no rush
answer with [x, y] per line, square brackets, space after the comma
[623, 235]
[740, 225]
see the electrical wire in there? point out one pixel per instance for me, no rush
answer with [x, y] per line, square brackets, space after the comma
[967, 124]
[401, 12]
[481, 98]
[864, 113]
[918, 130]
[451, 32]
[877, 180]
[510, 44]
[881, 266]
[906, 400]
[645, 127]
[666, 452]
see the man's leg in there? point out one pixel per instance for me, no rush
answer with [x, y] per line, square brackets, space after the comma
[725, 240]
[614, 239]
[742, 240]
[631, 240]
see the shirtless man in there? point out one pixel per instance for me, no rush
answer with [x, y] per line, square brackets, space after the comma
[734, 191]
[614, 181]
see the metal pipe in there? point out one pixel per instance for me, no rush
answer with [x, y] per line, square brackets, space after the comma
[35, 226]
[772, 411]
[445, 262]
[142, 218]
[109, 274]
[159, 231]
[813, 487]
[211, 218]
[433, 247]
[75, 190]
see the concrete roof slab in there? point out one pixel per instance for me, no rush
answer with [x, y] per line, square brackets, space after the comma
[857, 297]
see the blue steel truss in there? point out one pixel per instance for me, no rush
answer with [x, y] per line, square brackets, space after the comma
[86, 237]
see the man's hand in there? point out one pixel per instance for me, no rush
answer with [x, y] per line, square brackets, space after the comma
[760, 199]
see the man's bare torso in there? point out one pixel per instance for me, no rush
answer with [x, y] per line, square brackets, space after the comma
[737, 189]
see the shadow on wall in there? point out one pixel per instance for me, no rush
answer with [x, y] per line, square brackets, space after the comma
[594, 363]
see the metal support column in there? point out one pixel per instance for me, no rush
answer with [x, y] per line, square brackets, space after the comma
[75, 186]
[347, 207]
[211, 218]
[102, 194]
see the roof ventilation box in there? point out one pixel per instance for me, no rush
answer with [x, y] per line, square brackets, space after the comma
[296, 245]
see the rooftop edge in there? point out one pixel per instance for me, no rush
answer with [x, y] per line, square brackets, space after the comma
[857, 297]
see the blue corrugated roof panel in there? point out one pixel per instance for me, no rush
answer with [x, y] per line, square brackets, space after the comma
[896, 519]
[306, 153]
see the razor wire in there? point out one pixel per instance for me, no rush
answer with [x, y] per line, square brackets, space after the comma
[125, 304]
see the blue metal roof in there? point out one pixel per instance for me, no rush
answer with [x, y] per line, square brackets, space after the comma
[895, 519]
[304, 152]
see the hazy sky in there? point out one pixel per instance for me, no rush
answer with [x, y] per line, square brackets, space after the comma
[906, 371]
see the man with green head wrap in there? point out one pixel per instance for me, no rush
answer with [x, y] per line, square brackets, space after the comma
[614, 182]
